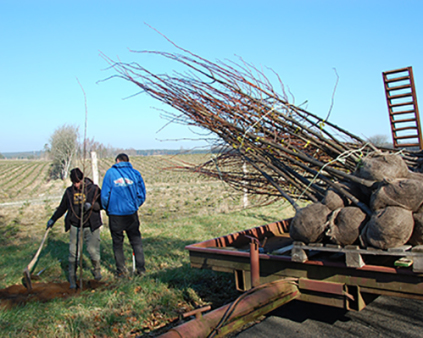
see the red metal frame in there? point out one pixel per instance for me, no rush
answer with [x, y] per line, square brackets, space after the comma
[403, 109]
[320, 280]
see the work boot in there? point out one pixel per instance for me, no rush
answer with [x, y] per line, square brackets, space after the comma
[139, 273]
[122, 273]
[72, 275]
[96, 270]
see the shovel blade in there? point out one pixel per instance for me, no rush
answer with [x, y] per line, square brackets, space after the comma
[26, 281]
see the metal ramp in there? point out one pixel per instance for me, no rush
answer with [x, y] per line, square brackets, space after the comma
[403, 110]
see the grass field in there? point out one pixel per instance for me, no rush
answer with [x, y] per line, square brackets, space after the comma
[180, 209]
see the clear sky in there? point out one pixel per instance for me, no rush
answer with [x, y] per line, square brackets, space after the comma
[47, 45]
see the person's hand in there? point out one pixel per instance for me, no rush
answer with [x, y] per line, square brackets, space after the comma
[49, 224]
[87, 206]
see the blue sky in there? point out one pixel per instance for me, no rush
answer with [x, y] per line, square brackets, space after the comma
[47, 45]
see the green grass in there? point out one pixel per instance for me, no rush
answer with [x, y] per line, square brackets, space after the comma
[173, 217]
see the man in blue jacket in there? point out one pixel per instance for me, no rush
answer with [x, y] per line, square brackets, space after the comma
[122, 193]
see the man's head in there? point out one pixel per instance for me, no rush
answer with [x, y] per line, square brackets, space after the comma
[122, 158]
[76, 177]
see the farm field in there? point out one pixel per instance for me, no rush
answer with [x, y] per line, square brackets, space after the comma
[25, 183]
[181, 208]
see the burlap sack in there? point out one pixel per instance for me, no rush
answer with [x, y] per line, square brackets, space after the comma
[345, 225]
[378, 166]
[417, 236]
[335, 200]
[404, 193]
[388, 228]
[309, 223]
[415, 175]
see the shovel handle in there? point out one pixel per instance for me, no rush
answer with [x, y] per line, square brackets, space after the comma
[34, 260]
[27, 270]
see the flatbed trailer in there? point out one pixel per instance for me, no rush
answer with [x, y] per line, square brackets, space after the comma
[345, 277]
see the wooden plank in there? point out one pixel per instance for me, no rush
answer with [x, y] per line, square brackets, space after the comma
[283, 250]
[417, 260]
[297, 253]
[353, 259]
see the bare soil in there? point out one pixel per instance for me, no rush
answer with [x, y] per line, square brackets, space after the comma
[18, 295]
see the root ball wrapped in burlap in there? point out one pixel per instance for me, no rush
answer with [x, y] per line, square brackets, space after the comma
[417, 236]
[378, 166]
[345, 225]
[415, 175]
[388, 228]
[309, 223]
[334, 199]
[404, 193]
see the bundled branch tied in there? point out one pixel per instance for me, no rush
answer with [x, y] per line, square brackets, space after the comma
[268, 146]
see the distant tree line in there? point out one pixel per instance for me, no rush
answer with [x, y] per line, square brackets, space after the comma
[380, 141]
[63, 148]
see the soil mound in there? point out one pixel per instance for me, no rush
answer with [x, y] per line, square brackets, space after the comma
[43, 292]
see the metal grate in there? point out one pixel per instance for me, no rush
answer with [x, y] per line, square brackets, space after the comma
[403, 110]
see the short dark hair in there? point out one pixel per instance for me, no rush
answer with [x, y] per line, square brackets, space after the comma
[122, 157]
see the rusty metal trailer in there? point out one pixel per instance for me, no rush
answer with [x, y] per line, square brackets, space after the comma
[272, 270]
[345, 277]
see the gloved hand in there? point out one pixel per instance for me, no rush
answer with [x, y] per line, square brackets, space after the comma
[50, 224]
[96, 206]
[87, 206]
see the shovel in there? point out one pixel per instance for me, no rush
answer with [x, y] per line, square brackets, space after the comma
[27, 271]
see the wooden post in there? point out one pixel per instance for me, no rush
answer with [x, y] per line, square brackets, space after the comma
[94, 167]
[245, 199]
[96, 176]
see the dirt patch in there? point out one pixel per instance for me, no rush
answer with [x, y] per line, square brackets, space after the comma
[42, 292]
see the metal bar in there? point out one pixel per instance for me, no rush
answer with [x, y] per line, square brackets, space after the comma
[334, 301]
[416, 107]
[347, 249]
[254, 261]
[406, 128]
[399, 70]
[408, 144]
[228, 318]
[407, 137]
[404, 120]
[396, 79]
[390, 293]
[399, 96]
[391, 105]
[321, 286]
[398, 87]
[411, 111]
[197, 312]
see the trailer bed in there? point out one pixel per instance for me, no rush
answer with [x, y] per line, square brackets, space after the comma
[348, 277]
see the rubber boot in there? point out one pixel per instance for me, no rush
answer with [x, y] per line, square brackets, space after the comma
[72, 275]
[96, 270]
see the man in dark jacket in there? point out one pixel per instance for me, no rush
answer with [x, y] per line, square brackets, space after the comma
[122, 193]
[82, 198]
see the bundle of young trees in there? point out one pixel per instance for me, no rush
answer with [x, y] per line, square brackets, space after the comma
[272, 148]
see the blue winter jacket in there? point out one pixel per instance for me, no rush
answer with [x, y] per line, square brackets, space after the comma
[123, 190]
